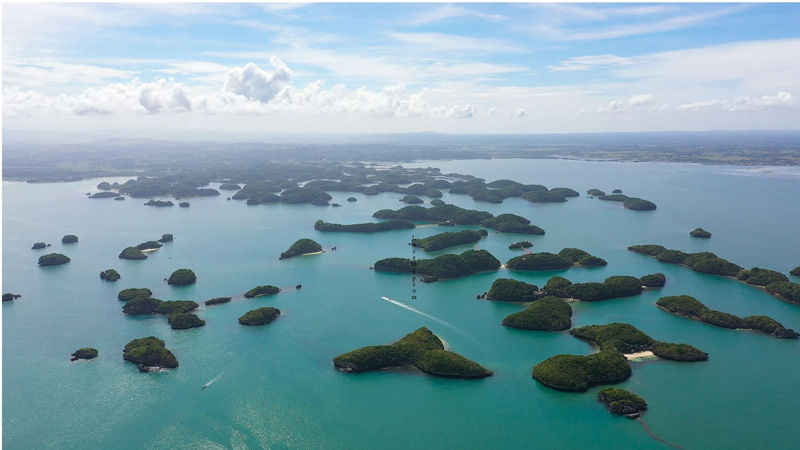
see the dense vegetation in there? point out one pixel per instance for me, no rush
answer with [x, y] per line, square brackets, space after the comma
[447, 239]
[546, 313]
[229, 187]
[260, 316]
[613, 287]
[69, 239]
[633, 203]
[795, 271]
[39, 245]
[509, 223]
[422, 349]
[149, 351]
[786, 289]
[53, 259]
[184, 321]
[84, 353]
[258, 291]
[581, 257]
[625, 338]
[104, 195]
[760, 277]
[301, 247]
[579, 373]
[166, 238]
[700, 233]
[183, 204]
[705, 262]
[688, 306]
[539, 261]
[620, 401]
[217, 301]
[444, 266]
[131, 293]
[7, 297]
[149, 245]
[412, 200]
[159, 203]
[139, 305]
[653, 280]
[596, 192]
[132, 253]
[110, 275]
[520, 244]
[369, 227]
[508, 290]
[182, 277]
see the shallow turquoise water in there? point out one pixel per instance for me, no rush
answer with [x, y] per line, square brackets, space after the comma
[277, 388]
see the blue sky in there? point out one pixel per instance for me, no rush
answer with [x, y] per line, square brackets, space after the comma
[401, 67]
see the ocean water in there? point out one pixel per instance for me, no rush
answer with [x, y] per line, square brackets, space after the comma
[274, 387]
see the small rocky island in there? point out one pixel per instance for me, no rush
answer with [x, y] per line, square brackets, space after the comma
[687, 306]
[132, 253]
[520, 244]
[131, 293]
[508, 290]
[545, 314]
[260, 316]
[149, 246]
[53, 259]
[367, 227]
[7, 297]
[447, 239]
[183, 204]
[182, 277]
[110, 275]
[139, 305]
[150, 354]
[217, 301]
[84, 353]
[795, 271]
[39, 245]
[653, 280]
[302, 247]
[700, 233]
[69, 239]
[582, 258]
[166, 238]
[159, 203]
[184, 321]
[620, 401]
[612, 287]
[259, 291]
[444, 266]
[421, 349]
[104, 195]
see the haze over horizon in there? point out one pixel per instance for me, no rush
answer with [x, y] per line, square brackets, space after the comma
[212, 70]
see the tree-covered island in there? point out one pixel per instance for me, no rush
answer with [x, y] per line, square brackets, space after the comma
[700, 233]
[447, 239]
[148, 353]
[369, 227]
[421, 349]
[260, 316]
[159, 203]
[301, 247]
[131, 293]
[84, 353]
[545, 314]
[539, 261]
[110, 275]
[140, 305]
[132, 253]
[182, 277]
[452, 214]
[687, 306]
[508, 290]
[443, 266]
[166, 238]
[7, 297]
[259, 291]
[520, 244]
[184, 321]
[69, 239]
[620, 401]
[217, 301]
[53, 259]
[39, 245]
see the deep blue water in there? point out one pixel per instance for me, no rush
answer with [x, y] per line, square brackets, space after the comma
[276, 386]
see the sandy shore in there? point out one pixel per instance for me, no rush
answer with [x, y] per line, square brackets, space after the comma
[314, 253]
[149, 250]
[639, 355]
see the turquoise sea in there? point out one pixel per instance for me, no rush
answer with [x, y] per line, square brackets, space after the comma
[275, 386]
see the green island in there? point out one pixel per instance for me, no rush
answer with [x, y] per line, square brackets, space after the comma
[447, 239]
[159, 203]
[7, 297]
[520, 244]
[579, 373]
[544, 197]
[39, 245]
[166, 238]
[633, 203]
[84, 353]
[104, 195]
[69, 239]
[620, 401]
[260, 316]
[795, 271]
[352, 199]
[183, 204]
[131, 293]
[596, 192]
[140, 305]
[217, 301]
[545, 314]
[687, 306]
[452, 214]
[110, 275]
[437, 202]
[53, 259]
[653, 280]
[184, 321]
[582, 257]
[301, 247]
[444, 266]
[627, 339]
[182, 277]
[259, 291]
[539, 261]
[773, 282]
[613, 287]
[412, 200]
[368, 227]
[421, 349]
[132, 253]
[149, 245]
[229, 187]
[508, 290]
[700, 233]
[149, 353]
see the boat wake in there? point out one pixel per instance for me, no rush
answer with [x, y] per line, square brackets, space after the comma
[213, 380]
[435, 319]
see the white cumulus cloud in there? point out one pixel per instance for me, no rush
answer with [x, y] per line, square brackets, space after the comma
[254, 83]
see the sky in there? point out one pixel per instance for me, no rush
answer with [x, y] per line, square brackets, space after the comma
[193, 70]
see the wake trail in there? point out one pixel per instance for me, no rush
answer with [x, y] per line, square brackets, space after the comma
[650, 433]
[213, 380]
[435, 319]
